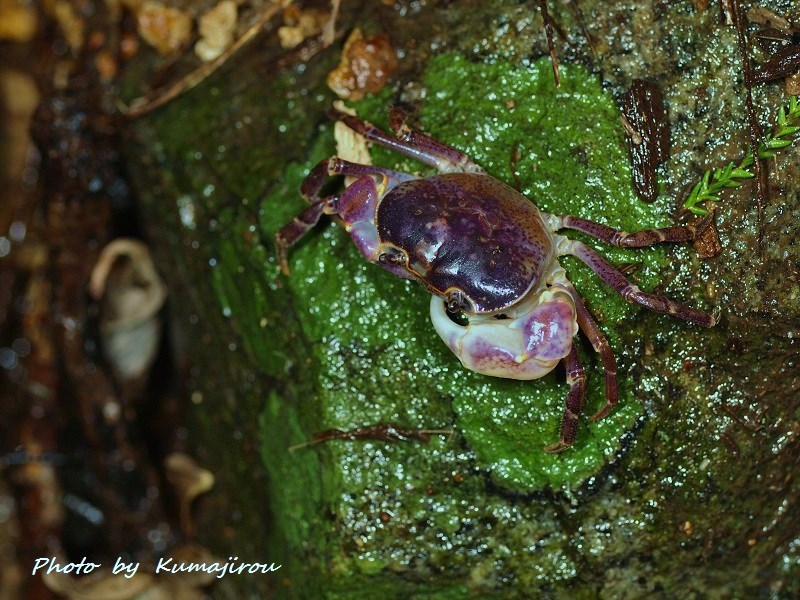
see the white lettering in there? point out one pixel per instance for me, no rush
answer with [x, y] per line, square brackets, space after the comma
[221, 569]
[79, 568]
[129, 569]
[162, 564]
[40, 563]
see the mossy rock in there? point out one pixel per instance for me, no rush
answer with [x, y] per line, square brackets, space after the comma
[378, 358]
[642, 498]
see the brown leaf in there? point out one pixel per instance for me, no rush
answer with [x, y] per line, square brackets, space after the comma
[785, 61]
[707, 242]
[365, 66]
[644, 119]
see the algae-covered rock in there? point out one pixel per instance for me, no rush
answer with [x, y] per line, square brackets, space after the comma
[693, 467]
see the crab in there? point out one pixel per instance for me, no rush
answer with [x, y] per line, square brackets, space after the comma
[501, 300]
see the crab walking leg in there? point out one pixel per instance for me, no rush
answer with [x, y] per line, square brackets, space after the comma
[576, 378]
[462, 162]
[612, 277]
[300, 225]
[638, 239]
[334, 165]
[436, 154]
[602, 347]
[339, 166]
[312, 184]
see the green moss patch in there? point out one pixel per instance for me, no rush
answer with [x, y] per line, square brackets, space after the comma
[377, 354]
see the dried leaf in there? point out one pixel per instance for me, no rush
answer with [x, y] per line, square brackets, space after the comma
[300, 25]
[786, 61]
[350, 145]
[189, 481]
[707, 242]
[165, 28]
[365, 66]
[768, 18]
[644, 119]
[216, 28]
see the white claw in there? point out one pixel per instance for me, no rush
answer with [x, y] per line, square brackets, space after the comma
[527, 345]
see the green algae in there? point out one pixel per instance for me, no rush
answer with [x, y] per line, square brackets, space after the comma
[361, 350]
[302, 542]
[568, 167]
[428, 514]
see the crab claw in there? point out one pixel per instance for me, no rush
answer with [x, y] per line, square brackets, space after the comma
[548, 330]
[526, 346]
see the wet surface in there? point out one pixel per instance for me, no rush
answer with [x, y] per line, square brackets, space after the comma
[696, 465]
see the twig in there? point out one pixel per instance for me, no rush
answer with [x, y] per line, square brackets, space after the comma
[551, 44]
[159, 97]
[329, 30]
[762, 190]
[386, 432]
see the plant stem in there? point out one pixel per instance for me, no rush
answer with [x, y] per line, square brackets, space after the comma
[713, 182]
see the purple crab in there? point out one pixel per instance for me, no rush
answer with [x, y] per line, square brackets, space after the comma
[501, 300]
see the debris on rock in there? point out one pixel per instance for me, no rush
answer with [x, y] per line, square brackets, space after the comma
[216, 27]
[365, 66]
[350, 145]
[165, 28]
[647, 132]
[299, 25]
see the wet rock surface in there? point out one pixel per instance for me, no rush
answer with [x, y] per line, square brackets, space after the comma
[686, 488]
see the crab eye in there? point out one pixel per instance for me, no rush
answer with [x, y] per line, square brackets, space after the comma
[388, 258]
[457, 302]
[457, 316]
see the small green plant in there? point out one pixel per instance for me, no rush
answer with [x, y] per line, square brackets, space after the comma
[713, 182]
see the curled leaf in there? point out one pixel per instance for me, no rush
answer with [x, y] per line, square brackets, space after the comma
[189, 481]
[350, 145]
[125, 282]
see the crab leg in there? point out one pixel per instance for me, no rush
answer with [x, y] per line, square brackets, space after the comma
[612, 277]
[300, 225]
[334, 165]
[411, 143]
[638, 239]
[314, 181]
[461, 162]
[602, 347]
[576, 378]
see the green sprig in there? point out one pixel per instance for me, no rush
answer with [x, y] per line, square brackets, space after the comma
[713, 182]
